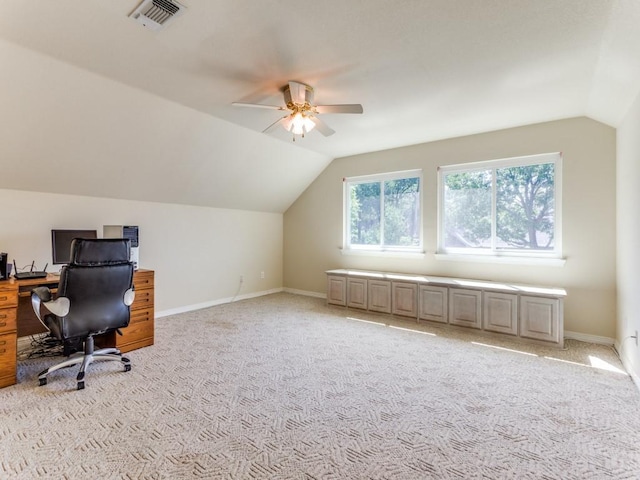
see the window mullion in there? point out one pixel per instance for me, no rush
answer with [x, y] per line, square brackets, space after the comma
[347, 214]
[494, 210]
[381, 214]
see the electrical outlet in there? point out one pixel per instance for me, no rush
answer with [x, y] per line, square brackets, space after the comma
[241, 278]
[262, 275]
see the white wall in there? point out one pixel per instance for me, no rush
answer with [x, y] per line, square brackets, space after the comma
[628, 225]
[313, 224]
[198, 253]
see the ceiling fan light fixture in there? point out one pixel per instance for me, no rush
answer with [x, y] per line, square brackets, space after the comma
[300, 124]
[303, 112]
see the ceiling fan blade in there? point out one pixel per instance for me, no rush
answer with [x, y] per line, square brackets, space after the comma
[257, 105]
[322, 127]
[297, 91]
[347, 108]
[280, 121]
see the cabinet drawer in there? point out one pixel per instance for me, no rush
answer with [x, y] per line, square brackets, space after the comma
[143, 279]
[144, 299]
[8, 344]
[7, 320]
[135, 332]
[8, 298]
[142, 315]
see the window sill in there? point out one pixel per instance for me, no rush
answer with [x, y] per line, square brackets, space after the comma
[382, 253]
[503, 259]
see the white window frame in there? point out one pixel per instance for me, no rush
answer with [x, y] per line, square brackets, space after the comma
[382, 250]
[492, 254]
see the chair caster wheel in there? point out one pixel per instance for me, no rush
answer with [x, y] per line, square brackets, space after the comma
[80, 385]
[43, 381]
[127, 367]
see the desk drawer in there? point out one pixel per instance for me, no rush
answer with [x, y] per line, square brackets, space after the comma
[141, 315]
[8, 343]
[8, 298]
[143, 279]
[7, 320]
[144, 299]
[135, 332]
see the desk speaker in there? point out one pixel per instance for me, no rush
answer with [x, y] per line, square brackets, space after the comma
[3, 266]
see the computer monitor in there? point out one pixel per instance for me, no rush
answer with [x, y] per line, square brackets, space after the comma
[61, 243]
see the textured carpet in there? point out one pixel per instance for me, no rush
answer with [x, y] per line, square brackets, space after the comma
[286, 387]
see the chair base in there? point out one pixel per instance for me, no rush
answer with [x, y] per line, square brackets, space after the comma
[85, 359]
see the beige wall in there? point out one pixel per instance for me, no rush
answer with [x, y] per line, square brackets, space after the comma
[198, 253]
[313, 224]
[628, 228]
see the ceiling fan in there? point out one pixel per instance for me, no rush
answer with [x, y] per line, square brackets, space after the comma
[302, 114]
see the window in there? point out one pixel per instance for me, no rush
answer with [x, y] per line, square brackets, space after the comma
[502, 207]
[383, 212]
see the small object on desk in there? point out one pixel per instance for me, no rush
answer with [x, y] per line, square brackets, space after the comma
[31, 273]
[23, 275]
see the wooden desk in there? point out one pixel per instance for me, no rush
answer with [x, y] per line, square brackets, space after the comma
[17, 319]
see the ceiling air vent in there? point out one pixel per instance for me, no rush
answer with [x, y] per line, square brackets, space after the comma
[156, 14]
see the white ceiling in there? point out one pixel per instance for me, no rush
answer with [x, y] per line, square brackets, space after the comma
[422, 69]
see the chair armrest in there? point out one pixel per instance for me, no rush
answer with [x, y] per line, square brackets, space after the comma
[129, 297]
[38, 295]
[42, 295]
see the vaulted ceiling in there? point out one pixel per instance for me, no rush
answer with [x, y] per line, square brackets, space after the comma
[422, 69]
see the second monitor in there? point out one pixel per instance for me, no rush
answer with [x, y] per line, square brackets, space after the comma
[61, 243]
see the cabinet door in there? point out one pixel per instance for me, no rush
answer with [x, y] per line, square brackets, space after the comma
[336, 290]
[540, 318]
[500, 312]
[433, 303]
[357, 293]
[379, 296]
[465, 307]
[405, 299]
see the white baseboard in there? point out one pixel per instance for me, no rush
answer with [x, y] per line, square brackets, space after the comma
[306, 293]
[584, 337]
[627, 364]
[213, 303]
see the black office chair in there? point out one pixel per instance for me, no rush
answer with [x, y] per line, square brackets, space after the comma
[94, 296]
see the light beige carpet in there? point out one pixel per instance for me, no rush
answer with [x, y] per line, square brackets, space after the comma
[285, 387]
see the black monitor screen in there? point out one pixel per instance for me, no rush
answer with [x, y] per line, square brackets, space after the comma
[61, 243]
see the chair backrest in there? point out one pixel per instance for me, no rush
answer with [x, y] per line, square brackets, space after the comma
[95, 283]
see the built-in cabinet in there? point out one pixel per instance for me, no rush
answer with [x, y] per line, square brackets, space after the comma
[357, 289]
[500, 312]
[465, 307]
[532, 313]
[433, 303]
[337, 290]
[379, 296]
[538, 318]
[404, 299]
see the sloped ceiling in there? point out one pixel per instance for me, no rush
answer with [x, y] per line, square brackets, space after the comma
[423, 70]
